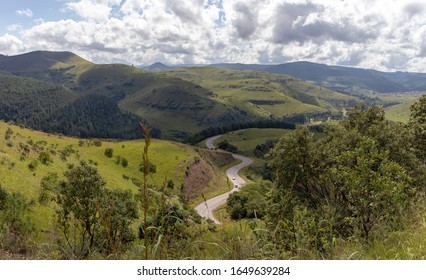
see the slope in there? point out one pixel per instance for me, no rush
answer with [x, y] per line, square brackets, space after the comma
[22, 167]
[263, 94]
[350, 80]
[53, 108]
[177, 107]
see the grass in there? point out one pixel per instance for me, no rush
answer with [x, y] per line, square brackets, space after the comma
[219, 185]
[246, 140]
[170, 159]
[399, 112]
[263, 94]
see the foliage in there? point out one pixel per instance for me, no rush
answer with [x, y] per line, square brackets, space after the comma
[261, 150]
[117, 211]
[109, 152]
[16, 227]
[45, 158]
[225, 145]
[357, 180]
[250, 202]
[90, 218]
[418, 126]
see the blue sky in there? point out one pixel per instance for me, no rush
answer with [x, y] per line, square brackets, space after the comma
[25, 13]
[380, 34]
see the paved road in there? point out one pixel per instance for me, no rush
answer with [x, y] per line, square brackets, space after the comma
[207, 208]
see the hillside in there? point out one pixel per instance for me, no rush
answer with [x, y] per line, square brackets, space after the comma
[265, 95]
[177, 107]
[54, 108]
[27, 156]
[354, 81]
[181, 102]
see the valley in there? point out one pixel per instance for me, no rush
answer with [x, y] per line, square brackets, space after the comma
[232, 161]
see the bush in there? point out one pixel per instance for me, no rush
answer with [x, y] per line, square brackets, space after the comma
[45, 158]
[33, 165]
[109, 152]
[124, 162]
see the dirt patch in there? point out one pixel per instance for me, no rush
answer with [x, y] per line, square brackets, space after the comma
[197, 176]
[219, 159]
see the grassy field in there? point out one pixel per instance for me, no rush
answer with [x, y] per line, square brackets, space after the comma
[171, 160]
[399, 113]
[246, 140]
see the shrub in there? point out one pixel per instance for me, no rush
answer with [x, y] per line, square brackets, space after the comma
[109, 152]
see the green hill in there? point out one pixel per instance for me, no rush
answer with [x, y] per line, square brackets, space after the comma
[263, 94]
[109, 100]
[54, 108]
[22, 165]
[348, 80]
[177, 107]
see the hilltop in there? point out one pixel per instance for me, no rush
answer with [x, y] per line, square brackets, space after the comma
[349, 80]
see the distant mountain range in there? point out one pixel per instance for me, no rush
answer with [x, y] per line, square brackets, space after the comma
[347, 80]
[62, 92]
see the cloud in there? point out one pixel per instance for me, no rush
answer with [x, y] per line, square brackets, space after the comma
[246, 20]
[413, 9]
[11, 45]
[97, 10]
[365, 33]
[14, 27]
[309, 22]
[24, 12]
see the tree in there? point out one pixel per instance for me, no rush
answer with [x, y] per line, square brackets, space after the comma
[78, 199]
[16, 226]
[108, 152]
[90, 217]
[356, 177]
[117, 212]
[418, 126]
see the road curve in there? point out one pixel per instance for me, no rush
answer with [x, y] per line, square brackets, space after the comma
[207, 208]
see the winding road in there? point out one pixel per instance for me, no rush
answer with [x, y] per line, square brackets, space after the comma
[207, 208]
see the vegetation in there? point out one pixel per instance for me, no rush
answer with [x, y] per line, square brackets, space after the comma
[358, 181]
[355, 190]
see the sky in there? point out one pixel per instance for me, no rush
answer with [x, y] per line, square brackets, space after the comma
[387, 35]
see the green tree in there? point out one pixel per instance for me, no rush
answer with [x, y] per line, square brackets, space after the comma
[16, 226]
[90, 217]
[45, 158]
[78, 199]
[418, 126]
[108, 152]
[117, 211]
[354, 179]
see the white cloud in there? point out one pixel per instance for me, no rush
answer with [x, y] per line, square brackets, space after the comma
[381, 34]
[14, 27]
[98, 10]
[24, 12]
[10, 44]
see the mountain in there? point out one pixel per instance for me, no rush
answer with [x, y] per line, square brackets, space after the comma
[265, 95]
[349, 80]
[108, 100]
[175, 106]
[54, 108]
[158, 66]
